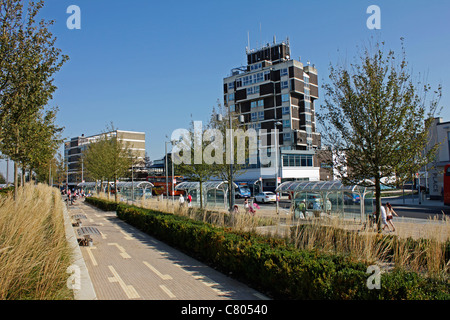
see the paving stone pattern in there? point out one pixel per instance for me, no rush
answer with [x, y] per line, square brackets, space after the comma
[125, 263]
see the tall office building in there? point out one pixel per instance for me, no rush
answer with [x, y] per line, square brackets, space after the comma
[74, 148]
[275, 89]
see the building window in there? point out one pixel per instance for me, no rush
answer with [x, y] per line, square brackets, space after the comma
[284, 84]
[286, 123]
[266, 75]
[254, 116]
[253, 104]
[285, 110]
[231, 97]
[233, 108]
[297, 160]
[284, 97]
[259, 77]
[307, 106]
[448, 138]
[252, 90]
[231, 85]
[284, 72]
[256, 66]
[261, 115]
[286, 136]
[307, 94]
[306, 80]
[261, 103]
[239, 83]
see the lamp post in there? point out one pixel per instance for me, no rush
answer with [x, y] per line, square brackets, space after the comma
[277, 123]
[166, 171]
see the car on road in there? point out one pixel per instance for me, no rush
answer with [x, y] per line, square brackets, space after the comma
[242, 192]
[265, 196]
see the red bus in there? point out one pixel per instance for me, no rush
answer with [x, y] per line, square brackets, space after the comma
[447, 185]
[160, 185]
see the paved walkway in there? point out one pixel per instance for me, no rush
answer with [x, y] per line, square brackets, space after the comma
[125, 263]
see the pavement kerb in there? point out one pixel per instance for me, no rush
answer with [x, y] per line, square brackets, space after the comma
[86, 291]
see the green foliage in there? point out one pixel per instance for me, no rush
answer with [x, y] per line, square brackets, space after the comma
[28, 62]
[273, 265]
[108, 158]
[376, 118]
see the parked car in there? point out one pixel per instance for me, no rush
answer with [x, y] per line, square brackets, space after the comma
[242, 192]
[265, 196]
[351, 199]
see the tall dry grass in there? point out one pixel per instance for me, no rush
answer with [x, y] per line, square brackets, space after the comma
[34, 253]
[424, 254]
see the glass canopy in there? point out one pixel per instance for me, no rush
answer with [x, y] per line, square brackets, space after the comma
[326, 198]
[208, 185]
[317, 186]
[121, 184]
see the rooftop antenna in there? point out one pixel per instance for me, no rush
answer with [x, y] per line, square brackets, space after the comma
[274, 39]
[260, 35]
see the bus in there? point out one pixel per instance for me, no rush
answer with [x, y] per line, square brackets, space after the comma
[447, 185]
[160, 185]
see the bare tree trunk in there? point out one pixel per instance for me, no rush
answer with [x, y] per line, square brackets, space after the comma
[16, 179]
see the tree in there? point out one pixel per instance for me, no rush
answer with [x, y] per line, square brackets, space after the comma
[28, 62]
[108, 158]
[188, 158]
[376, 117]
[223, 169]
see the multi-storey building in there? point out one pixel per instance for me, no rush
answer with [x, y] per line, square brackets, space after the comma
[274, 90]
[74, 148]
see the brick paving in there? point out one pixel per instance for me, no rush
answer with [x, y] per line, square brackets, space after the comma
[127, 264]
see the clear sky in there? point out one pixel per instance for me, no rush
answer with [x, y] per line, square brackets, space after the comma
[152, 66]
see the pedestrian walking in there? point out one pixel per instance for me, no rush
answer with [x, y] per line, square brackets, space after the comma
[384, 217]
[181, 200]
[246, 206]
[389, 217]
[189, 200]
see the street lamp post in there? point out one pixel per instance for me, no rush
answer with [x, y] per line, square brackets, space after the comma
[277, 123]
[166, 171]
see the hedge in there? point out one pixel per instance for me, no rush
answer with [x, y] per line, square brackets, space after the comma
[274, 266]
[102, 204]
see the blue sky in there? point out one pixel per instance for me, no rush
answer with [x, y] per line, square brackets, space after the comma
[151, 66]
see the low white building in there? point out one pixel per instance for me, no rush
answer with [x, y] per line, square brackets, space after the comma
[434, 172]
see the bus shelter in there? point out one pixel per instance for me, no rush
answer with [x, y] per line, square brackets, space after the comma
[135, 190]
[131, 190]
[327, 198]
[89, 187]
[214, 192]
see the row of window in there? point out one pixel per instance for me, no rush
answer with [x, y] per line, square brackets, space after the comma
[260, 103]
[252, 90]
[257, 103]
[264, 76]
[297, 160]
[256, 66]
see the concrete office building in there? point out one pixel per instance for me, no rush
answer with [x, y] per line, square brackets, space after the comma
[74, 148]
[274, 88]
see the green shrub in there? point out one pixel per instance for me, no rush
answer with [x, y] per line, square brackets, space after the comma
[102, 204]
